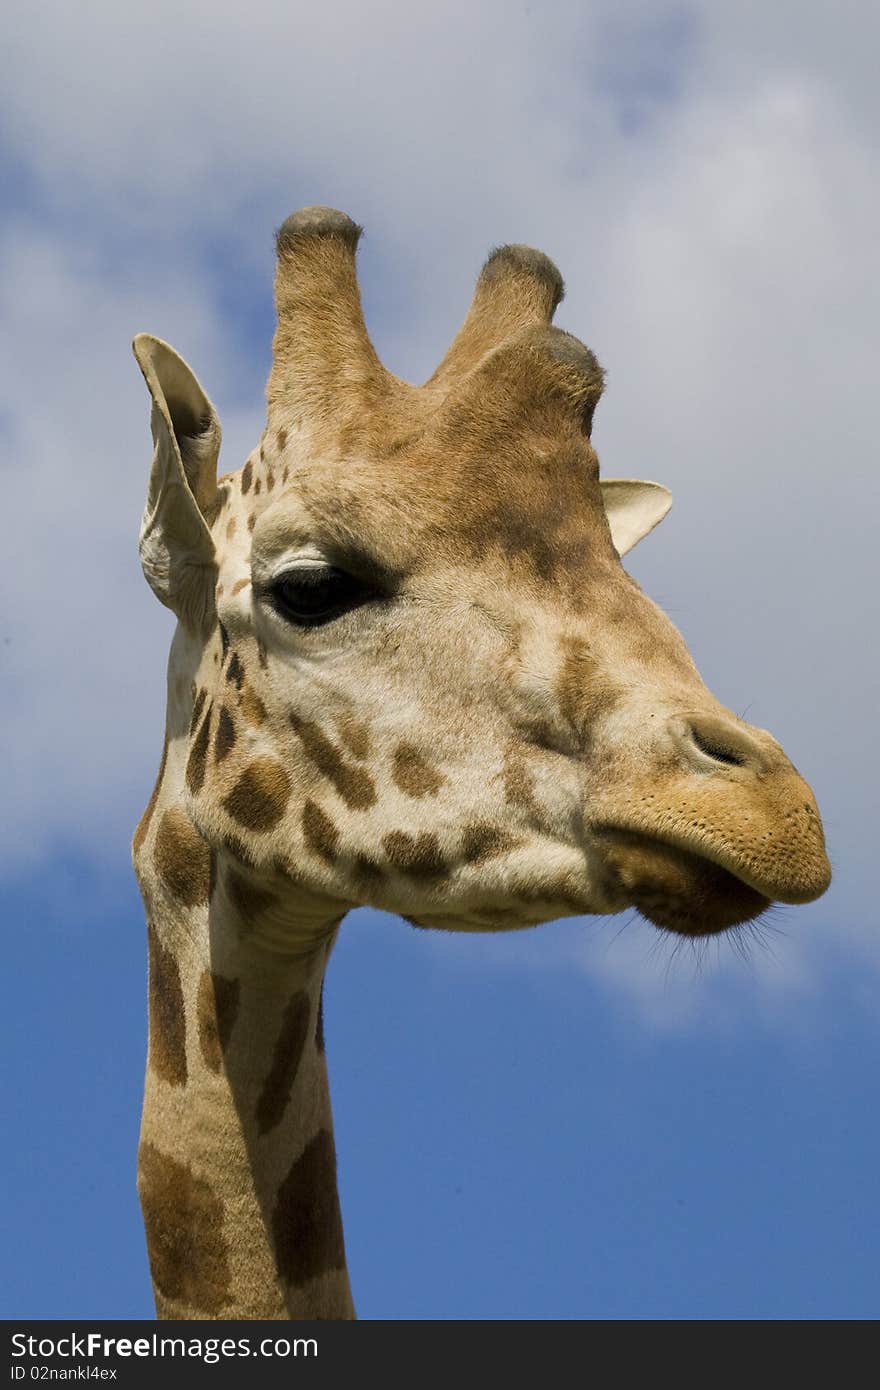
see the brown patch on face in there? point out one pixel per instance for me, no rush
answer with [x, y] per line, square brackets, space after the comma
[230, 528]
[198, 706]
[413, 774]
[252, 521]
[247, 477]
[234, 672]
[482, 841]
[542, 524]
[167, 1021]
[270, 480]
[258, 799]
[259, 483]
[239, 585]
[285, 475]
[224, 738]
[545, 733]
[249, 900]
[281, 439]
[183, 858]
[583, 691]
[277, 1088]
[198, 753]
[252, 706]
[355, 735]
[143, 824]
[216, 1010]
[519, 787]
[319, 832]
[353, 784]
[262, 655]
[307, 1223]
[184, 1225]
[418, 856]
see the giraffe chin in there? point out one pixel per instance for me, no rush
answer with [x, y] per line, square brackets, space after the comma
[687, 919]
[493, 919]
[677, 890]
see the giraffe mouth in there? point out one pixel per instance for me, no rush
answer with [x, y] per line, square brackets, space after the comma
[678, 889]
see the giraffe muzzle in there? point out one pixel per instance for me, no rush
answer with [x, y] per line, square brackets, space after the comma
[725, 828]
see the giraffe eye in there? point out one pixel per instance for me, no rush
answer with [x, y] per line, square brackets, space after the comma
[314, 594]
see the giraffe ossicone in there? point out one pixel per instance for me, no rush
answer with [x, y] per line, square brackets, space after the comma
[409, 672]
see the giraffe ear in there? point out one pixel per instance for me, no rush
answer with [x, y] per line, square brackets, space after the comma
[176, 548]
[633, 509]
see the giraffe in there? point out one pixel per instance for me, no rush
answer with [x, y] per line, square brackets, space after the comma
[409, 671]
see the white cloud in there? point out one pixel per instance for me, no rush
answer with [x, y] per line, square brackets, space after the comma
[82, 650]
[719, 253]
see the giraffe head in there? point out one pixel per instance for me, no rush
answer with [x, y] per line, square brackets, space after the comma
[410, 670]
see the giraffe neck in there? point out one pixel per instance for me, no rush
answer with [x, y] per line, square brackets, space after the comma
[236, 1164]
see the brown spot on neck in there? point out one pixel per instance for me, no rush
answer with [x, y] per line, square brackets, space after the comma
[216, 1011]
[278, 1086]
[167, 1020]
[307, 1223]
[184, 1226]
[183, 858]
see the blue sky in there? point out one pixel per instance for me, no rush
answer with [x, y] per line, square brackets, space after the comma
[573, 1122]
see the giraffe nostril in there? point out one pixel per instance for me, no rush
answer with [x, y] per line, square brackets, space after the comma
[707, 739]
[714, 749]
